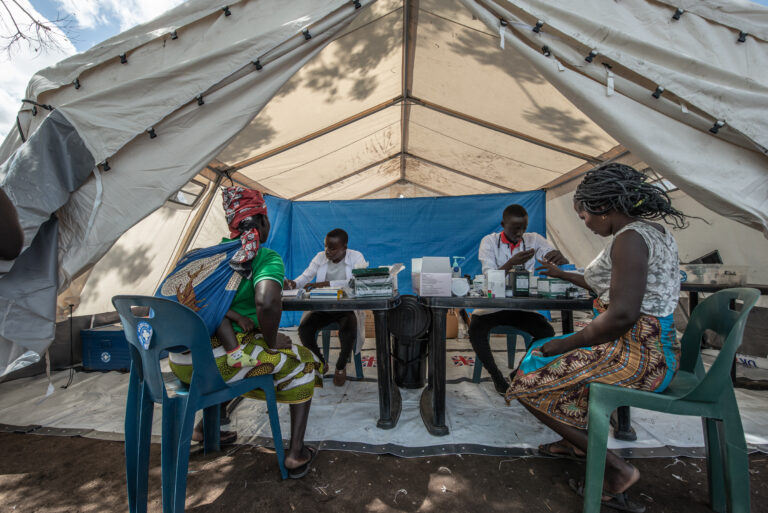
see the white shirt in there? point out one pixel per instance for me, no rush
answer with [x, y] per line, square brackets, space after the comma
[336, 271]
[662, 289]
[493, 253]
[319, 267]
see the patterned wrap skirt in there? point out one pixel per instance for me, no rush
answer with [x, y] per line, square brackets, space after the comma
[644, 358]
[297, 371]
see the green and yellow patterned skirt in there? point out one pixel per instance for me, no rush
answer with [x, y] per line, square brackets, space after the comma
[297, 370]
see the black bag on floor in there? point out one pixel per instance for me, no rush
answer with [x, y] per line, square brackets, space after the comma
[409, 325]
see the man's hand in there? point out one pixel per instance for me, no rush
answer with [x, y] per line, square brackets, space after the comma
[310, 286]
[282, 341]
[520, 258]
[289, 284]
[556, 257]
[557, 346]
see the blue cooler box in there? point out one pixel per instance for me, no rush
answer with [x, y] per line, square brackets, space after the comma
[105, 348]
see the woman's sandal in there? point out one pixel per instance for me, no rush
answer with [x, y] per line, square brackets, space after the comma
[570, 454]
[303, 470]
[619, 501]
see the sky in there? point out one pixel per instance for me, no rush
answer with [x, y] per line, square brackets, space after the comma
[91, 21]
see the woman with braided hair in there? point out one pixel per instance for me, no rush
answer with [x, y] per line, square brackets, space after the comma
[631, 342]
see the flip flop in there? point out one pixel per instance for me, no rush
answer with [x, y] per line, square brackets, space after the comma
[618, 501]
[546, 450]
[302, 470]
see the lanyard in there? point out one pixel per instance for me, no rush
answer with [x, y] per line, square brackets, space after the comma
[498, 243]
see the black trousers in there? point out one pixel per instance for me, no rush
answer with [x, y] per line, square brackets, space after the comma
[312, 322]
[481, 325]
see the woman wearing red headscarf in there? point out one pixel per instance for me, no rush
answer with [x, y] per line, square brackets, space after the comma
[236, 287]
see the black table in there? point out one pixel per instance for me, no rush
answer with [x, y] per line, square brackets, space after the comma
[390, 403]
[432, 403]
[693, 290]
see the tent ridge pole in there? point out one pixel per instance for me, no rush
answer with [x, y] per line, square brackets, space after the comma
[377, 189]
[426, 188]
[612, 155]
[342, 178]
[237, 178]
[327, 130]
[503, 130]
[456, 171]
[410, 24]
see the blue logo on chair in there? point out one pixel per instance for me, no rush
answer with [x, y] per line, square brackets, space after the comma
[683, 276]
[106, 357]
[144, 332]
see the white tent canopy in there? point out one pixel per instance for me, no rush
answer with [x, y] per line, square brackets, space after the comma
[333, 99]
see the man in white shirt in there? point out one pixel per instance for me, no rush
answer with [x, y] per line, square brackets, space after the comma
[332, 268]
[504, 250]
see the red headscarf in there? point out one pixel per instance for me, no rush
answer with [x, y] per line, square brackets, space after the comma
[240, 203]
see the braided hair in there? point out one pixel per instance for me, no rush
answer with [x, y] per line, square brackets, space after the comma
[622, 188]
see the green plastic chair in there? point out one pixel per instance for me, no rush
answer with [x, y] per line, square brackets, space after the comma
[692, 392]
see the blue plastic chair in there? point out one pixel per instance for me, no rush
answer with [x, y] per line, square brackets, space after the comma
[327, 348]
[512, 334]
[692, 392]
[176, 328]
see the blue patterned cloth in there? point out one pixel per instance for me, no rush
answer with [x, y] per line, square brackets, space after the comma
[534, 359]
[204, 281]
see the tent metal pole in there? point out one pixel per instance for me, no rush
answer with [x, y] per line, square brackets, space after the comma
[611, 155]
[503, 130]
[342, 178]
[410, 24]
[327, 130]
[192, 230]
[216, 169]
[456, 171]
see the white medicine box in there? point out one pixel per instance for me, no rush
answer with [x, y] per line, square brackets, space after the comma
[431, 276]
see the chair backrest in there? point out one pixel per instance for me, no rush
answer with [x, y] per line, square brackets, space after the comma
[716, 313]
[174, 327]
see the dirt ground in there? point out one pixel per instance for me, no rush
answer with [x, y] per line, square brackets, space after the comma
[47, 474]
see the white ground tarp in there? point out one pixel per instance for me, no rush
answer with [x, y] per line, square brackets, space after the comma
[344, 418]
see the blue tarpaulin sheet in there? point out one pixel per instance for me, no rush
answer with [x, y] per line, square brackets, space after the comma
[388, 231]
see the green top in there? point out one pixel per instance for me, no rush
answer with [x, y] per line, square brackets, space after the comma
[268, 265]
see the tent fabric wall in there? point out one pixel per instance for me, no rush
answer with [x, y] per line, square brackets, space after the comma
[112, 119]
[403, 96]
[138, 261]
[710, 83]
